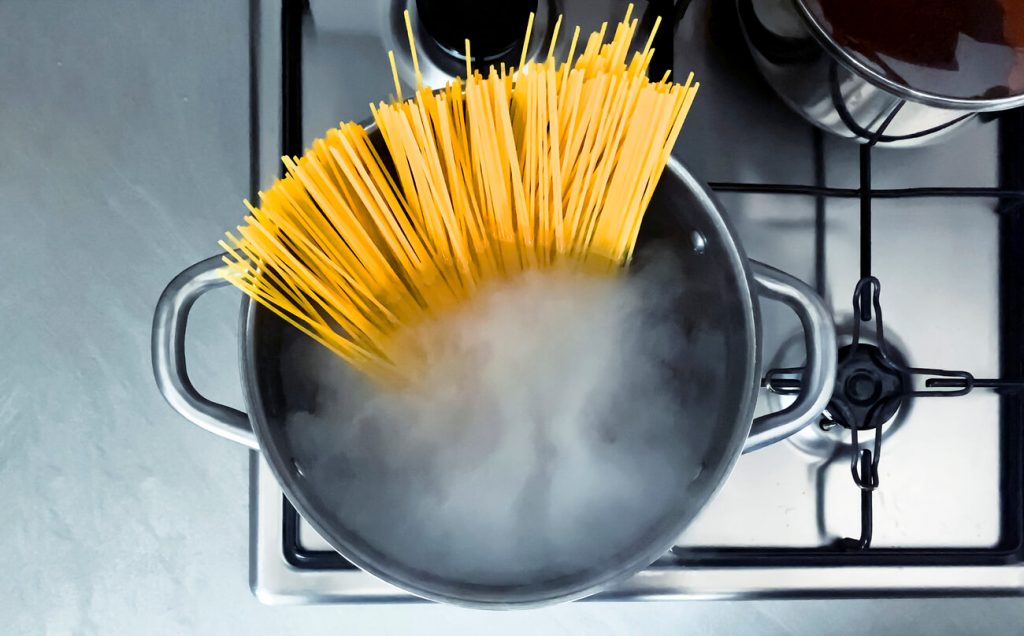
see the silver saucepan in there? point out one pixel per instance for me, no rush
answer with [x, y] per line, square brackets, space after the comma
[847, 94]
[721, 313]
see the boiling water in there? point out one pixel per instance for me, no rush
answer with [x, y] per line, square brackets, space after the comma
[556, 429]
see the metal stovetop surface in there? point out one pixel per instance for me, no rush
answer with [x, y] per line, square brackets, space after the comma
[940, 516]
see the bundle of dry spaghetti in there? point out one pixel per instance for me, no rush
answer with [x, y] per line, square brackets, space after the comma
[372, 231]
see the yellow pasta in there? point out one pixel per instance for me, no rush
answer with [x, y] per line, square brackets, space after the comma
[482, 179]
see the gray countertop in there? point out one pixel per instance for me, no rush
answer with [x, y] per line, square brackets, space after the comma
[124, 131]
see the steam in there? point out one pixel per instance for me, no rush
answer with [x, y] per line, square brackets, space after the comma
[548, 436]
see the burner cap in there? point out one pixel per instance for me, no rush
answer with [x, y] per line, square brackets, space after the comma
[864, 381]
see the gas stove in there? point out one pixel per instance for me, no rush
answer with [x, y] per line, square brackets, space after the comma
[942, 512]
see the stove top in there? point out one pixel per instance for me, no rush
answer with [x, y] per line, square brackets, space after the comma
[946, 516]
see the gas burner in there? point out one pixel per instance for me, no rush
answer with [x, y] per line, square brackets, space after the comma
[871, 385]
[863, 382]
[867, 387]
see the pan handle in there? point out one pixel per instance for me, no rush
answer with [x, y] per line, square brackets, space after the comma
[820, 342]
[168, 345]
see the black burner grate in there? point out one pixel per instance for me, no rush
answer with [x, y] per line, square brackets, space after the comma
[1010, 197]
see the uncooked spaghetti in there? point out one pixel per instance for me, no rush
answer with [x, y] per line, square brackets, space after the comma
[482, 179]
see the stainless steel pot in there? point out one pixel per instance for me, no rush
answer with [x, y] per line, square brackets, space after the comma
[722, 313]
[834, 90]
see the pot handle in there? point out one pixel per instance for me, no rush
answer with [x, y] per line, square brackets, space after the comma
[169, 367]
[819, 341]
